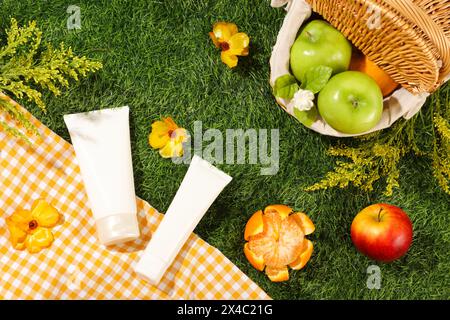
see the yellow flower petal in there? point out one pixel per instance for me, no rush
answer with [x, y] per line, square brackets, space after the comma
[39, 239]
[45, 214]
[230, 60]
[159, 135]
[214, 39]
[168, 137]
[178, 150]
[179, 135]
[238, 44]
[17, 234]
[172, 149]
[162, 132]
[171, 125]
[158, 140]
[223, 31]
[19, 246]
[22, 217]
[167, 150]
[159, 126]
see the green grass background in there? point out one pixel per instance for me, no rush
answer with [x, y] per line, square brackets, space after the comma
[159, 60]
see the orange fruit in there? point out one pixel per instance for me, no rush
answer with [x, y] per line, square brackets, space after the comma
[283, 210]
[305, 222]
[256, 261]
[360, 62]
[277, 275]
[304, 256]
[254, 225]
[276, 239]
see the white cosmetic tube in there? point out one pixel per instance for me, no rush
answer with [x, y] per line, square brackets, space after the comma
[200, 187]
[101, 140]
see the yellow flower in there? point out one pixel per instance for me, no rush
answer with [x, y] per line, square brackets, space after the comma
[168, 138]
[225, 36]
[31, 228]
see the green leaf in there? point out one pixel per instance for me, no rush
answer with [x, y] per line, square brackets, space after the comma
[307, 118]
[285, 87]
[316, 78]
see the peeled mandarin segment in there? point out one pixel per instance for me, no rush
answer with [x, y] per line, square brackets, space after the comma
[277, 274]
[254, 226]
[291, 240]
[224, 30]
[256, 261]
[304, 256]
[272, 224]
[45, 214]
[272, 258]
[238, 43]
[288, 246]
[283, 210]
[39, 239]
[262, 245]
[230, 60]
[305, 222]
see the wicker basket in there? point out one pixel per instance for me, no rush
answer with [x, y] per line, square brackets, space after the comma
[412, 46]
[410, 41]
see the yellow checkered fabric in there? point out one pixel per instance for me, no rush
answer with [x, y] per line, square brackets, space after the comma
[76, 266]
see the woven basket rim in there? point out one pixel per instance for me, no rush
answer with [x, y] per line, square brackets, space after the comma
[437, 69]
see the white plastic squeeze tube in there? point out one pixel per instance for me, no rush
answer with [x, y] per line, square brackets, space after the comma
[200, 187]
[101, 140]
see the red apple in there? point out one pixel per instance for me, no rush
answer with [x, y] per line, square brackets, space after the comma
[382, 232]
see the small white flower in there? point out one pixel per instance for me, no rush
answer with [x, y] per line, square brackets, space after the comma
[303, 100]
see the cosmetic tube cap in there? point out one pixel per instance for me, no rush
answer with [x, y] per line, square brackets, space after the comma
[151, 268]
[118, 228]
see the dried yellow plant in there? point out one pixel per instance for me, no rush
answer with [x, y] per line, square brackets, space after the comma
[377, 156]
[28, 66]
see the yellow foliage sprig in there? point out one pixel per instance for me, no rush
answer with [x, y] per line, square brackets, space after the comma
[368, 163]
[27, 66]
[441, 143]
[377, 156]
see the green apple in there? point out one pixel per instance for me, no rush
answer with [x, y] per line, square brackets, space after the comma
[351, 102]
[319, 44]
